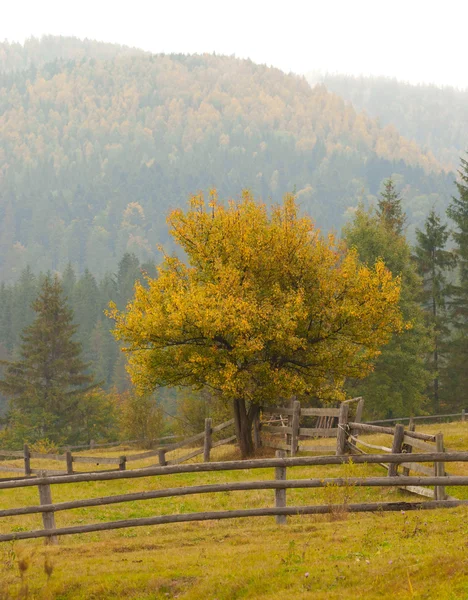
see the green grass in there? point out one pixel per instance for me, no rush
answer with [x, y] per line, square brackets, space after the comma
[391, 555]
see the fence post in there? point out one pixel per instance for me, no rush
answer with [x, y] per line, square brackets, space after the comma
[407, 447]
[280, 495]
[69, 458]
[358, 417]
[256, 431]
[48, 518]
[162, 457]
[342, 435]
[463, 415]
[27, 460]
[295, 427]
[207, 441]
[91, 444]
[122, 463]
[397, 447]
[439, 468]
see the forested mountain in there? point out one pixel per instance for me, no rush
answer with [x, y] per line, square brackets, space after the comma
[436, 118]
[98, 142]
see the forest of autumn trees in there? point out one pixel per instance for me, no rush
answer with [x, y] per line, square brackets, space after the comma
[98, 143]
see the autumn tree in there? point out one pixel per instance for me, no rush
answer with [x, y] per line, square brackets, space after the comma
[48, 382]
[265, 308]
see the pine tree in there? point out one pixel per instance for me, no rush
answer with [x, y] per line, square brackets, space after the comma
[389, 209]
[49, 380]
[458, 212]
[398, 384]
[434, 263]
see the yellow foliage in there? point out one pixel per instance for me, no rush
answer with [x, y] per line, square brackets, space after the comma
[266, 307]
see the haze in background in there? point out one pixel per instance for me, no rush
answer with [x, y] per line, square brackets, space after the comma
[416, 41]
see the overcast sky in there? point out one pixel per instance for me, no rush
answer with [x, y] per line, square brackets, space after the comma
[413, 40]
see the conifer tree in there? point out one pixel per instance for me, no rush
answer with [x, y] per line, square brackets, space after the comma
[458, 212]
[434, 263]
[389, 209]
[47, 383]
[398, 384]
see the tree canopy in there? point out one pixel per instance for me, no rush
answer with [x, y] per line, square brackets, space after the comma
[265, 308]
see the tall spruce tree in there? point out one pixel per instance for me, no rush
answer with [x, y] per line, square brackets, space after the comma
[47, 383]
[398, 384]
[390, 211]
[458, 371]
[434, 264]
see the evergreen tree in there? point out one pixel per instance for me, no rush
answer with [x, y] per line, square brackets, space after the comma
[458, 212]
[48, 382]
[399, 381]
[389, 209]
[434, 263]
[128, 273]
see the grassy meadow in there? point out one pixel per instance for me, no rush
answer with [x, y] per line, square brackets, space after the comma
[389, 555]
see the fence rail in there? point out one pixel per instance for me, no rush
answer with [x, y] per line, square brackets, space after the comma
[279, 485]
[206, 438]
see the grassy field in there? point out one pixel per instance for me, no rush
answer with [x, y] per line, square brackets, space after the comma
[391, 555]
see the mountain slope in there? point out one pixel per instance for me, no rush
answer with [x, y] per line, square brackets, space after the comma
[434, 117]
[95, 148]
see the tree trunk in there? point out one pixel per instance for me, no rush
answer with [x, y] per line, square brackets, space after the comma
[243, 421]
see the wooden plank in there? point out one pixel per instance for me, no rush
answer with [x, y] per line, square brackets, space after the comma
[277, 430]
[320, 412]
[390, 430]
[421, 491]
[207, 442]
[367, 445]
[48, 517]
[182, 459]
[15, 453]
[142, 456]
[61, 457]
[377, 507]
[186, 442]
[232, 487]
[439, 468]
[223, 426]
[280, 493]
[318, 431]
[11, 469]
[98, 460]
[341, 437]
[228, 440]
[419, 444]
[301, 461]
[418, 468]
[397, 445]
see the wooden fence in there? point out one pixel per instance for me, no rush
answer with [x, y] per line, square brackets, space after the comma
[204, 442]
[279, 485]
[329, 423]
[438, 418]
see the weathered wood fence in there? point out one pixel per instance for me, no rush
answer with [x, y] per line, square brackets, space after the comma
[204, 442]
[329, 423]
[279, 485]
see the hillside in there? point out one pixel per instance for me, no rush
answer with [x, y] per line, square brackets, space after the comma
[436, 118]
[98, 142]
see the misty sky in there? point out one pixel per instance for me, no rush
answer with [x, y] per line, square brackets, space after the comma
[417, 41]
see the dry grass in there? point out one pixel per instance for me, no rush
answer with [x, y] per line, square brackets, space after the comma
[395, 555]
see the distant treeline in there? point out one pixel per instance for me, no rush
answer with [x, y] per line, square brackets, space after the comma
[99, 142]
